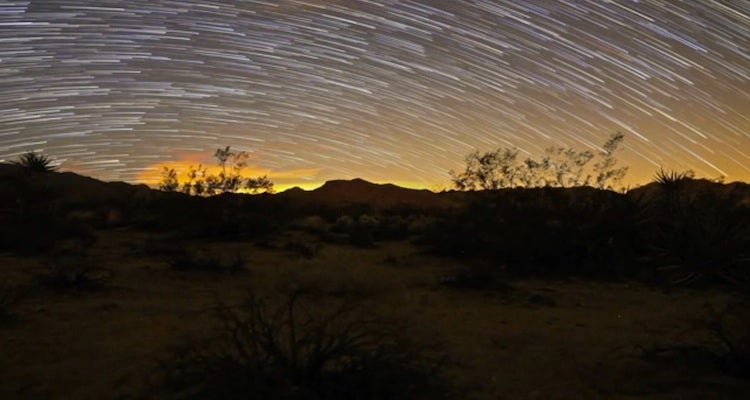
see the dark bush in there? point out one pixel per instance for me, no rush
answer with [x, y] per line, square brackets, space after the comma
[288, 350]
[186, 260]
[542, 232]
[72, 272]
[730, 327]
[697, 236]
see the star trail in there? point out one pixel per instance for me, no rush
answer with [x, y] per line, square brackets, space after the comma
[385, 90]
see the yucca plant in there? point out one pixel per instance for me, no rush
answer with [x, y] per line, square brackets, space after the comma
[667, 178]
[671, 184]
[705, 238]
[35, 161]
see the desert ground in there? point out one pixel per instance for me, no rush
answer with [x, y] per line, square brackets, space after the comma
[535, 339]
[364, 291]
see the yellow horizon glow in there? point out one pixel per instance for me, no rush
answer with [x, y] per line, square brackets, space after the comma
[154, 173]
[309, 179]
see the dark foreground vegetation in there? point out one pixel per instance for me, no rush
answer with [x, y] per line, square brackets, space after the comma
[362, 291]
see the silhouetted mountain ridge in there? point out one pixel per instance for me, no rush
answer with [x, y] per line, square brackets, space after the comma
[77, 188]
[360, 191]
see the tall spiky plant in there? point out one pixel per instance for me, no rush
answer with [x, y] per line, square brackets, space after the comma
[35, 161]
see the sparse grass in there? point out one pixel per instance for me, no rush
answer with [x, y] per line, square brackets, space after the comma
[290, 350]
[186, 260]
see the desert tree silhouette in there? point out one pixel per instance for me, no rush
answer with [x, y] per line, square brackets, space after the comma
[229, 179]
[560, 167]
[259, 184]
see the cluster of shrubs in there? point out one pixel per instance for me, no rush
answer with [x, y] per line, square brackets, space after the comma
[680, 229]
[32, 210]
[365, 229]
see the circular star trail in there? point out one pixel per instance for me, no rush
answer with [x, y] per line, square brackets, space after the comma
[386, 90]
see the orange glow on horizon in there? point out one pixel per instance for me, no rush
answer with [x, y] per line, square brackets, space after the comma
[283, 179]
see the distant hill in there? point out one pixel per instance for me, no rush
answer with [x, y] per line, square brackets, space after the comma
[378, 196]
[736, 192]
[71, 187]
[78, 189]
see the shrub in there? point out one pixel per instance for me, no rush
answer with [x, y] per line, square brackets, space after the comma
[290, 351]
[730, 327]
[702, 238]
[29, 216]
[72, 272]
[560, 167]
[229, 179]
[540, 232]
[302, 249]
[359, 231]
[202, 261]
[313, 224]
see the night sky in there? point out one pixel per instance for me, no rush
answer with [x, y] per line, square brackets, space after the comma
[385, 90]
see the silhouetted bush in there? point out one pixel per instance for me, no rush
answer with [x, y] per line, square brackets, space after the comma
[730, 327]
[30, 217]
[226, 217]
[288, 350]
[560, 167]
[393, 227]
[360, 230]
[694, 235]
[198, 181]
[541, 232]
[312, 224]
